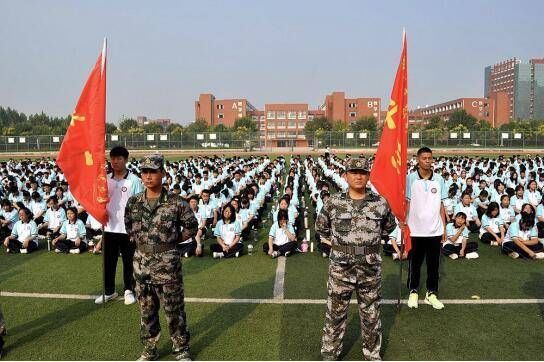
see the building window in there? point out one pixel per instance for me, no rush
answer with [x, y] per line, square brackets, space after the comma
[353, 114]
[310, 117]
[270, 115]
[292, 115]
[281, 124]
[220, 115]
[352, 105]
[301, 115]
[292, 124]
[280, 115]
[219, 106]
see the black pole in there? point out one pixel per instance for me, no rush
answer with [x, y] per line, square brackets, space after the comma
[103, 269]
[400, 270]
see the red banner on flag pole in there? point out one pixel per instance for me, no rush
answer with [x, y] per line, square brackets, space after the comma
[388, 173]
[82, 153]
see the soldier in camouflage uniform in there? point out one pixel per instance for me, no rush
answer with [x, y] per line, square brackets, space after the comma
[153, 221]
[353, 224]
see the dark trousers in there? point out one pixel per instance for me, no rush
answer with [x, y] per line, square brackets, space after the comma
[540, 227]
[510, 246]
[187, 248]
[216, 248]
[427, 248]
[113, 244]
[324, 248]
[66, 245]
[449, 249]
[281, 249]
[472, 227]
[15, 246]
[389, 250]
[487, 238]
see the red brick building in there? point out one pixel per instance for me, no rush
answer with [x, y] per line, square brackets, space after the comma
[494, 110]
[221, 111]
[339, 108]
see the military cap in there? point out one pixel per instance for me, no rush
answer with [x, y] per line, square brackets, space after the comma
[154, 161]
[357, 164]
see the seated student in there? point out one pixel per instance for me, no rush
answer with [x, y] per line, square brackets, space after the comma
[492, 229]
[281, 237]
[72, 237]
[208, 208]
[8, 218]
[53, 219]
[393, 243]
[38, 207]
[24, 235]
[506, 212]
[466, 207]
[532, 195]
[227, 232]
[192, 247]
[450, 202]
[94, 234]
[481, 203]
[522, 238]
[244, 217]
[283, 204]
[517, 200]
[540, 219]
[457, 244]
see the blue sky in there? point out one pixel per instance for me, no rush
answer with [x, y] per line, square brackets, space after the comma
[162, 54]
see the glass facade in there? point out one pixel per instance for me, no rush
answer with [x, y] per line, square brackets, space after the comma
[538, 91]
[522, 91]
[487, 81]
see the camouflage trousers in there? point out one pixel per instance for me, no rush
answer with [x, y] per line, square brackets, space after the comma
[365, 280]
[171, 296]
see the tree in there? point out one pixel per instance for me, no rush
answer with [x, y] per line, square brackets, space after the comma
[320, 123]
[247, 123]
[127, 124]
[462, 117]
[110, 128]
[435, 122]
[153, 128]
[200, 125]
[365, 124]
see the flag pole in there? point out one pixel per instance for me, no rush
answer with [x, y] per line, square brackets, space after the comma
[104, 49]
[403, 243]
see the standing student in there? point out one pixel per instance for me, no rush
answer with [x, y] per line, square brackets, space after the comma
[425, 191]
[122, 184]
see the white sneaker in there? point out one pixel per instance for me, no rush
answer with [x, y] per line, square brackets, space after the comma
[8, 251]
[395, 256]
[23, 251]
[237, 254]
[58, 251]
[539, 255]
[412, 300]
[472, 255]
[129, 297]
[274, 254]
[431, 299]
[453, 256]
[287, 253]
[513, 255]
[217, 255]
[186, 255]
[494, 243]
[74, 251]
[99, 299]
[324, 255]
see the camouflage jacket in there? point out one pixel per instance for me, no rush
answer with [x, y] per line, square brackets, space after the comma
[146, 226]
[342, 222]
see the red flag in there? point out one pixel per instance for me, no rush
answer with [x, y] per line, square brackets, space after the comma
[82, 153]
[389, 170]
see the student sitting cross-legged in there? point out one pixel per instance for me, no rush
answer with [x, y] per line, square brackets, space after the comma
[227, 232]
[457, 244]
[281, 238]
[492, 229]
[522, 238]
[72, 238]
[23, 237]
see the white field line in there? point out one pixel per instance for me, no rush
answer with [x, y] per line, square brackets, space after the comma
[280, 279]
[273, 300]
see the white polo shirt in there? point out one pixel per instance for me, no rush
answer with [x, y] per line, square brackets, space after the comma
[119, 192]
[425, 196]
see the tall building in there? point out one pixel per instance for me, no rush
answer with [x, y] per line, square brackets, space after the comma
[523, 83]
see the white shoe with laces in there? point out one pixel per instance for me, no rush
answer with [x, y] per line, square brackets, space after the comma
[513, 255]
[23, 251]
[129, 297]
[472, 255]
[539, 256]
[74, 251]
[99, 299]
[453, 256]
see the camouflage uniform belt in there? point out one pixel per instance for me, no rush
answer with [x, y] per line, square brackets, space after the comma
[156, 248]
[357, 250]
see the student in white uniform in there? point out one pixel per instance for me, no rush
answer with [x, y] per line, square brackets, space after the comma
[282, 240]
[467, 208]
[492, 230]
[425, 191]
[392, 246]
[8, 218]
[122, 184]
[457, 244]
[53, 219]
[72, 238]
[227, 232]
[24, 235]
[522, 238]
[194, 246]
